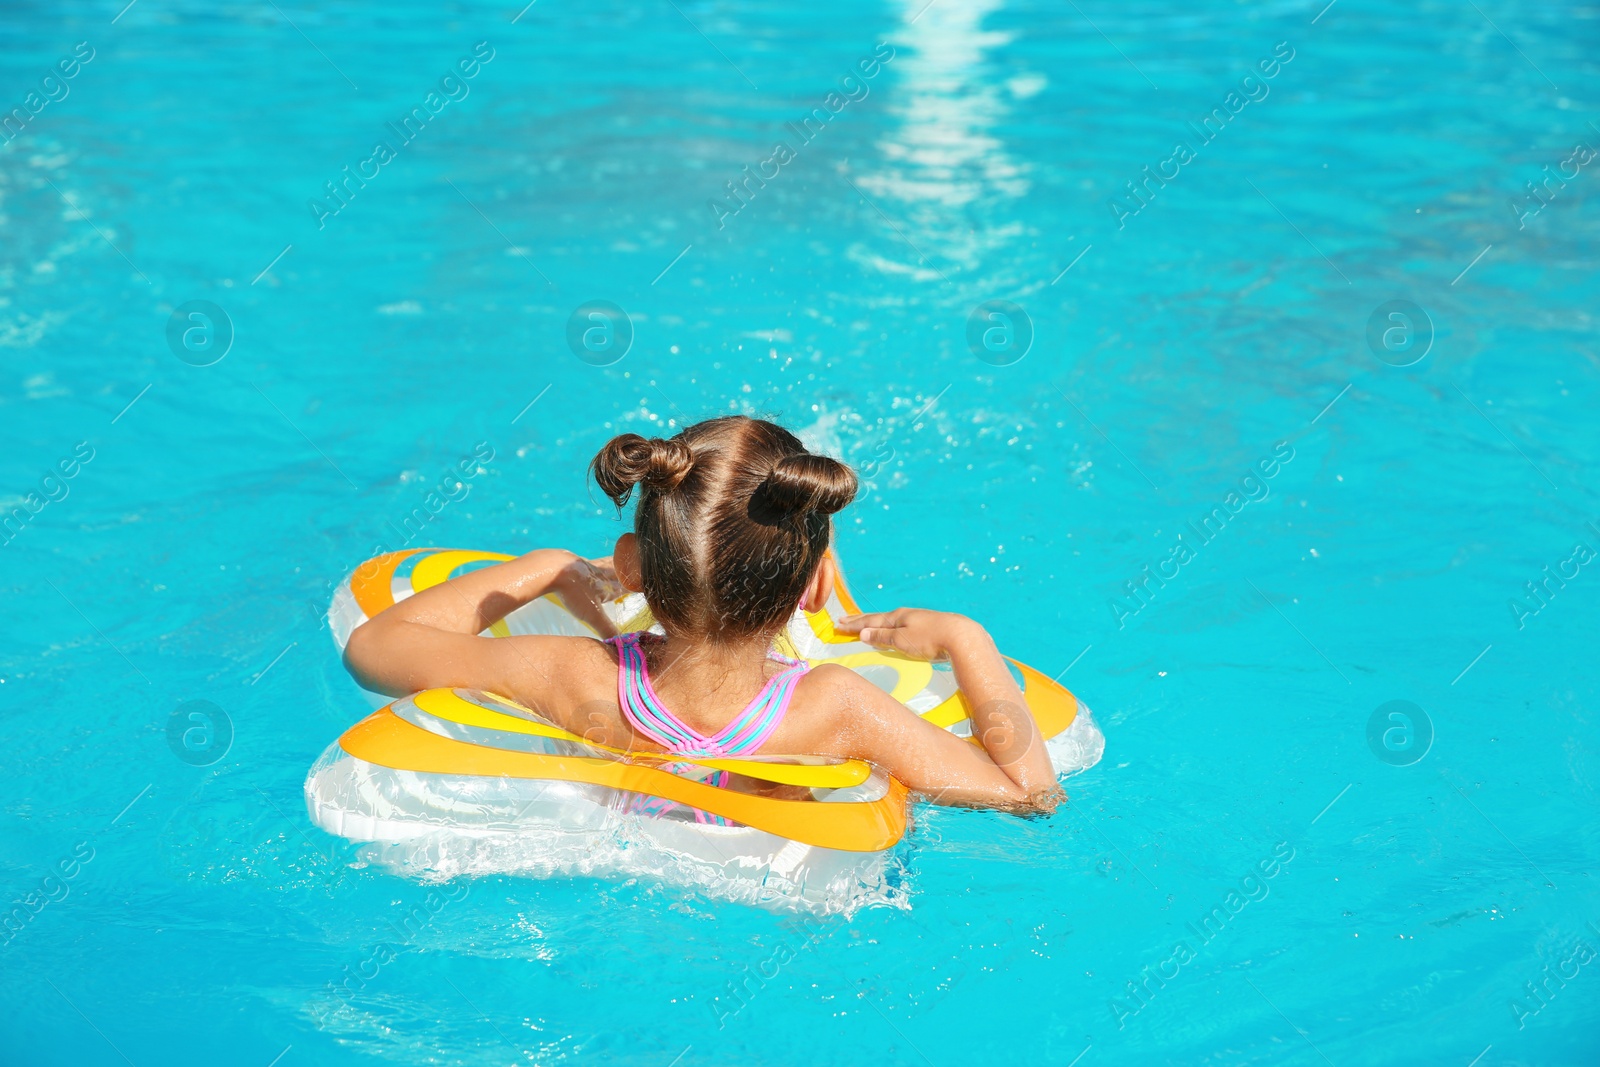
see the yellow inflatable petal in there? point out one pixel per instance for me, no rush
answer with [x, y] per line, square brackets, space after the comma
[385, 739]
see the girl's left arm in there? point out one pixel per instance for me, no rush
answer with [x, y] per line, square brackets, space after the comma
[1001, 721]
[431, 640]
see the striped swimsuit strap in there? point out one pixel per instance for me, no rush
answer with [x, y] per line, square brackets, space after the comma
[645, 712]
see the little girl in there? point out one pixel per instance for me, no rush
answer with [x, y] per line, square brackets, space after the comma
[730, 537]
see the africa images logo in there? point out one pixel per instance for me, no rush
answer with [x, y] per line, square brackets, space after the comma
[999, 332]
[199, 332]
[199, 733]
[599, 332]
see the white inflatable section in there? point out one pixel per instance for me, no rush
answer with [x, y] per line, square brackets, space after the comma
[438, 827]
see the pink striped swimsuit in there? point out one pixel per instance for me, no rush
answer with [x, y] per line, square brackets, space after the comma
[647, 714]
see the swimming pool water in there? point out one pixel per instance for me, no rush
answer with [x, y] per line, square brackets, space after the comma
[1337, 899]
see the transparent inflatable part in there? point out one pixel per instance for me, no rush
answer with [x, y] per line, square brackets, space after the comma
[1072, 751]
[1078, 747]
[344, 615]
[439, 827]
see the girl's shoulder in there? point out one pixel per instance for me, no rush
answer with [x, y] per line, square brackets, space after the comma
[562, 665]
[569, 680]
[842, 683]
[830, 693]
[829, 677]
[837, 712]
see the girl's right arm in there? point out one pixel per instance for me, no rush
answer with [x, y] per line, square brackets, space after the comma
[1012, 769]
[430, 639]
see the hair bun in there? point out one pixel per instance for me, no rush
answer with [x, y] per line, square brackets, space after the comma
[627, 460]
[806, 483]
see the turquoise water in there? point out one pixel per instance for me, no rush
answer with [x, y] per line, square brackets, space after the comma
[191, 914]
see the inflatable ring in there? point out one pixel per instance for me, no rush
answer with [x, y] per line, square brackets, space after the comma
[478, 763]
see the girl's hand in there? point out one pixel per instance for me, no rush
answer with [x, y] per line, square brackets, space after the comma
[920, 634]
[585, 585]
[598, 575]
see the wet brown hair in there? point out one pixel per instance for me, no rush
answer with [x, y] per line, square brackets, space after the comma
[732, 521]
